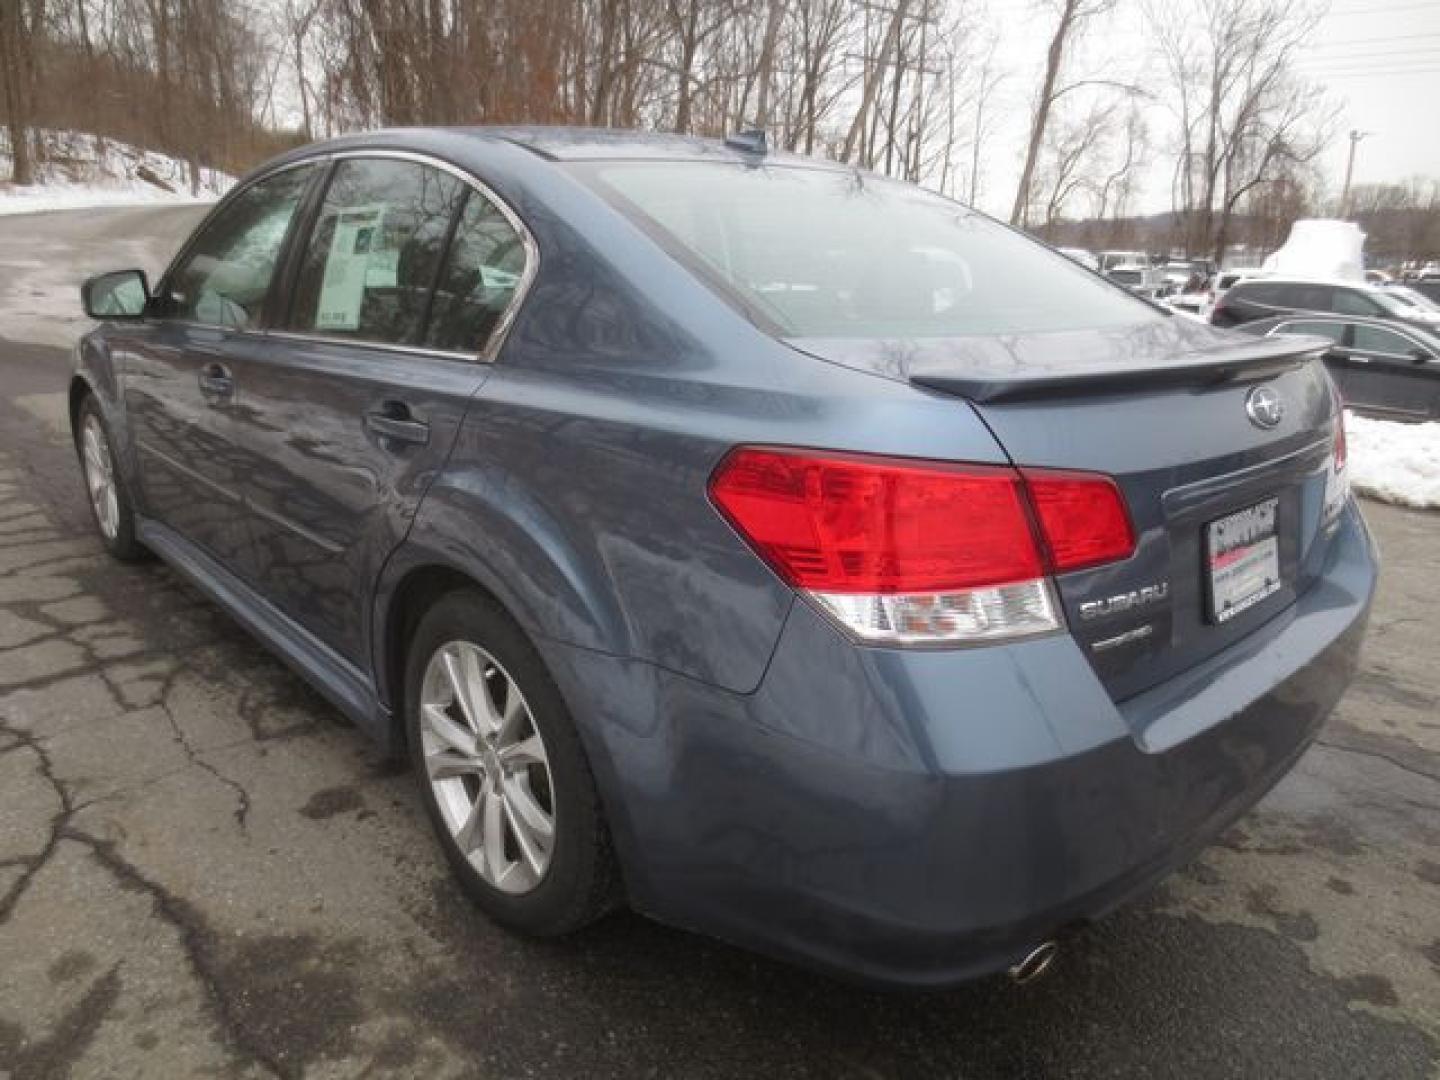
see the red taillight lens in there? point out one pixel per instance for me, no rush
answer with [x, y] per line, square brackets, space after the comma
[840, 523]
[1082, 516]
[851, 523]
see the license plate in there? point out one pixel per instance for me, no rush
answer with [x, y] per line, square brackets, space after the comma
[1243, 559]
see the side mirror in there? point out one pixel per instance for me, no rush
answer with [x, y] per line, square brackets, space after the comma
[1419, 355]
[120, 294]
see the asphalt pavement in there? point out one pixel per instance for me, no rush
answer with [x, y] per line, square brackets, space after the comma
[204, 870]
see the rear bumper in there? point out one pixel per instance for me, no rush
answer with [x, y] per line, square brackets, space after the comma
[921, 817]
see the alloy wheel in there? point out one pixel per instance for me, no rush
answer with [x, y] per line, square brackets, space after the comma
[487, 765]
[100, 477]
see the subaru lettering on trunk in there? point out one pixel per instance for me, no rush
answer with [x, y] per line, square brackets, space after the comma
[789, 554]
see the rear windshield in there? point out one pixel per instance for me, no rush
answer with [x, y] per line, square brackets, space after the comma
[821, 253]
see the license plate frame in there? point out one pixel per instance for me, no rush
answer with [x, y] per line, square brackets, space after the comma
[1242, 559]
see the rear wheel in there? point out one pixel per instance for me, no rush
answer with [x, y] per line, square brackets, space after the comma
[105, 486]
[502, 772]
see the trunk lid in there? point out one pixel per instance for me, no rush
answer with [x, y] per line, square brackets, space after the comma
[1165, 414]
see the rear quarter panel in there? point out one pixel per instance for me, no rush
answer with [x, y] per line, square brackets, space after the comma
[576, 490]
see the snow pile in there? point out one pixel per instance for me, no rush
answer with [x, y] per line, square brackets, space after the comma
[1396, 463]
[1321, 248]
[81, 170]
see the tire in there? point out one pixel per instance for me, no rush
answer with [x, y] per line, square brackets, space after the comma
[106, 488]
[466, 635]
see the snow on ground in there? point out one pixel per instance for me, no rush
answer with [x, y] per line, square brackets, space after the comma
[1396, 463]
[81, 170]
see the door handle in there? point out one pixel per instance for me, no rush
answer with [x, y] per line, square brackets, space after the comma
[393, 420]
[216, 381]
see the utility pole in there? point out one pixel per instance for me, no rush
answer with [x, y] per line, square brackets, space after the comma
[1355, 137]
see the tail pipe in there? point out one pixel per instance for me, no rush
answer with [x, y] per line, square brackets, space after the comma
[1035, 963]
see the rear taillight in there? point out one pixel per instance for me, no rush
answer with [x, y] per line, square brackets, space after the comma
[1082, 518]
[907, 551]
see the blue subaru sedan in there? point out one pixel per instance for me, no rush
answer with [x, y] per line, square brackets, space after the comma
[789, 554]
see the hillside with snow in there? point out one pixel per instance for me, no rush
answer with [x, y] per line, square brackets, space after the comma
[81, 170]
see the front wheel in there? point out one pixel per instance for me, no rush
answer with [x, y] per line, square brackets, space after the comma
[502, 772]
[104, 484]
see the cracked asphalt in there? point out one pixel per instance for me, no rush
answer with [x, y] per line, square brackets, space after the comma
[205, 871]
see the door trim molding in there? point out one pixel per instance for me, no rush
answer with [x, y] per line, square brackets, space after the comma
[345, 685]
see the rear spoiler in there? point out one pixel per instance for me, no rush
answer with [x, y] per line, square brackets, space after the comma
[1239, 362]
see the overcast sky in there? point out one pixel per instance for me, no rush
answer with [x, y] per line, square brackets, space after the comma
[1378, 59]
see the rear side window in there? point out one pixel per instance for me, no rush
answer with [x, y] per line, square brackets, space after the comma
[374, 250]
[482, 272]
[1350, 302]
[826, 253]
[226, 274]
[1261, 293]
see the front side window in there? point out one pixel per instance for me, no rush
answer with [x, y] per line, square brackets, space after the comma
[372, 254]
[1374, 339]
[826, 253]
[482, 272]
[226, 274]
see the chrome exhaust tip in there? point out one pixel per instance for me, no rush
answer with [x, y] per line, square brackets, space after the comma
[1035, 963]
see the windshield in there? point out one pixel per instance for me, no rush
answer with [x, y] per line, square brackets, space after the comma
[1127, 277]
[822, 253]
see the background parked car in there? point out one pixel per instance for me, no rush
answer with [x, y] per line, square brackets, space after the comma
[1109, 260]
[1418, 299]
[1247, 301]
[1428, 289]
[1221, 283]
[1381, 368]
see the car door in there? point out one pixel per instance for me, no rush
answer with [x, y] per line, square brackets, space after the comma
[399, 288]
[180, 392]
[1337, 331]
[1390, 373]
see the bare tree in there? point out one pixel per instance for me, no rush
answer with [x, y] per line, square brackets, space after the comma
[20, 27]
[1072, 16]
[1241, 110]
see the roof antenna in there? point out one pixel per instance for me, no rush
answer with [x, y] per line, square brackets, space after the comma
[749, 141]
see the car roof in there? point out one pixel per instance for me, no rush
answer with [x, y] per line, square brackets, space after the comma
[1290, 279]
[609, 144]
[574, 144]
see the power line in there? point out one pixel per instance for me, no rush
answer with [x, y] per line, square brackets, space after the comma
[1383, 10]
[1322, 76]
[1374, 41]
[1387, 74]
[1400, 56]
[1360, 63]
[1370, 51]
[1371, 69]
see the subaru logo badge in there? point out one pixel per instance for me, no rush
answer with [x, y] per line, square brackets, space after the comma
[1264, 407]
